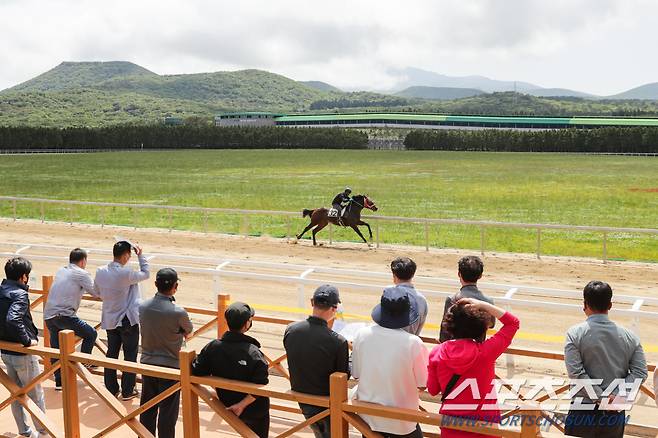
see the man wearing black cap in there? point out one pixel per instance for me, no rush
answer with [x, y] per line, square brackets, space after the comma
[237, 356]
[386, 353]
[164, 326]
[315, 352]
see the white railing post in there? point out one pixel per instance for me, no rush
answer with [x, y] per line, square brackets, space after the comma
[427, 236]
[509, 358]
[377, 233]
[300, 288]
[539, 243]
[217, 280]
[635, 322]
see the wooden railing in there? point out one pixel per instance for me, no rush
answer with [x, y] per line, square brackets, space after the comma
[342, 411]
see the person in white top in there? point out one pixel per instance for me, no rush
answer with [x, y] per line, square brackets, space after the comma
[391, 363]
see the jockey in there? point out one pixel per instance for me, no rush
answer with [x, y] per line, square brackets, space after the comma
[341, 201]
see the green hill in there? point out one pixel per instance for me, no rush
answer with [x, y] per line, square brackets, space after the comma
[106, 93]
[109, 93]
[319, 85]
[69, 75]
[438, 93]
[646, 91]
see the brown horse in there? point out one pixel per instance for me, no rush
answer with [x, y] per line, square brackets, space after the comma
[352, 218]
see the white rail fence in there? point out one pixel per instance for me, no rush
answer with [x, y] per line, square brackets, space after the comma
[637, 308]
[426, 222]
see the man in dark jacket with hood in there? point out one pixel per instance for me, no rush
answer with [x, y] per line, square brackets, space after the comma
[16, 326]
[237, 356]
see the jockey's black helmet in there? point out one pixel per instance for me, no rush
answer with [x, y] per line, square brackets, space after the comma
[348, 190]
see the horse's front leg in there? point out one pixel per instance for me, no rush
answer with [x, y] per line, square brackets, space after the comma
[367, 225]
[356, 229]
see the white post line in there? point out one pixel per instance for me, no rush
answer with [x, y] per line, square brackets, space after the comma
[23, 248]
[216, 280]
[635, 322]
[509, 358]
[300, 287]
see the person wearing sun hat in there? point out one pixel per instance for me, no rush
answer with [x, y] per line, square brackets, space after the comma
[386, 353]
[238, 357]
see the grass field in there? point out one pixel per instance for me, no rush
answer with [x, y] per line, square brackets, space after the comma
[612, 191]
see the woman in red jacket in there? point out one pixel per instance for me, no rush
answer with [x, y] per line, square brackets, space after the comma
[463, 358]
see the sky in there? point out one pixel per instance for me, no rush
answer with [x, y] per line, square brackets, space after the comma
[597, 46]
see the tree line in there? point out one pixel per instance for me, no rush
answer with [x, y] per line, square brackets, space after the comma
[179, 137]
[597, 140]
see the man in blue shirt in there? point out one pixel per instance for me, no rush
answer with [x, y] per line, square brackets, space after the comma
[116, 285]
[60, 312]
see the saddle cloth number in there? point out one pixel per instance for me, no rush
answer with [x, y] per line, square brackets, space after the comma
[332, 212]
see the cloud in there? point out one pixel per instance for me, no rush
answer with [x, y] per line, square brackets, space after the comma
[352, 44]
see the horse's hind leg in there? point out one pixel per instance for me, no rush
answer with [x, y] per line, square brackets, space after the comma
[317, 229]
[356, 229]
[299, 236]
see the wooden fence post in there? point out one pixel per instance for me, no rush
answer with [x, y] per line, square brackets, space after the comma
[337, 396]
[530, 423]
[190, 400]
[222, 304]
[69, 385]
[46, 283]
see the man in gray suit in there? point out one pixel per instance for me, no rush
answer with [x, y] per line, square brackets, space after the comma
[470, 270]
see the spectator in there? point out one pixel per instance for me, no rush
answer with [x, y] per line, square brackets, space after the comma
[238, 356]
[315, 352]
[16, 326]
[404, 269]
[467, 357]
[600, 349]
[470, 270]
[391, 363]
[116, 285]
[60, 312]
[164, 326]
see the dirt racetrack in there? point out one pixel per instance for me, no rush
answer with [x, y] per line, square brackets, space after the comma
[539, 329]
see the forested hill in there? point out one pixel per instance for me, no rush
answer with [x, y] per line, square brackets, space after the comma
[111, 93]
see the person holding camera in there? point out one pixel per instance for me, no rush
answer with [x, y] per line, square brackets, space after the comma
[117, 286]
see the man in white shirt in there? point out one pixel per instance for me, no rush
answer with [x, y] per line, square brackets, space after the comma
[391, 363]
[116, 285]
[60, 312]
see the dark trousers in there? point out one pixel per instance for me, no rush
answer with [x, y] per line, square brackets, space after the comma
[165, 412]
[79, 327]
[415, 434]
[322, 428]
[595, 424]
[127, 336]
[259, 424]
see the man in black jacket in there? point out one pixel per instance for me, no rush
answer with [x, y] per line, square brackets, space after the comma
[16, 326]
[315, 352]
[237, 356]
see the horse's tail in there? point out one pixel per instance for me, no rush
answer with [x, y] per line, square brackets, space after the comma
[307, 212]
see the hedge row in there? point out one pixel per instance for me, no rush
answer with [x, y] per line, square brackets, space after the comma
[598, 140]
[176, 137]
